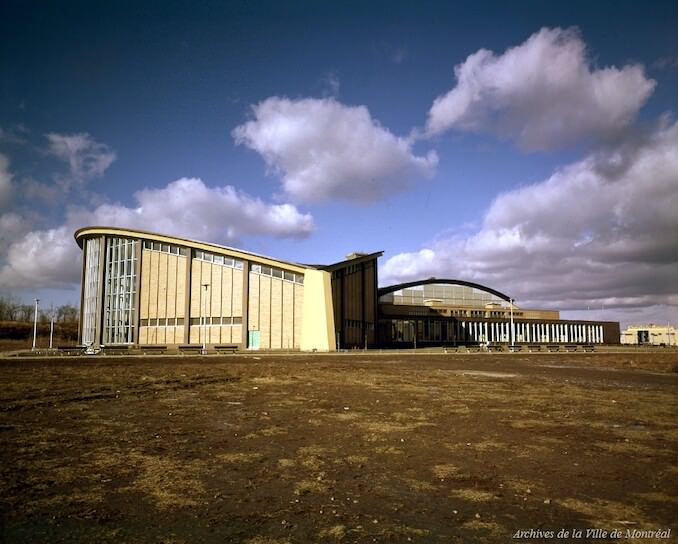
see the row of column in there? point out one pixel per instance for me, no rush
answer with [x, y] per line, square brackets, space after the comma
[577, 333]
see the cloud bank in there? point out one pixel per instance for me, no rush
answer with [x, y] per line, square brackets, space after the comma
[541, 94]
[325, 150]
[187, 207]
[603, 230]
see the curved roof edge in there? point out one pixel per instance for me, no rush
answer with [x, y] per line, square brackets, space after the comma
[83, 232]
[391, 288]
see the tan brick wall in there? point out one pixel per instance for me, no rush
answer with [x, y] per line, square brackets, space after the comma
[276, 313]
[153, 286]
[227, 292]
[195, 289]
[162, 285]
[163, 281]
[265, 311]
[253, 308]
[287, 315]
[224, 299]
[181, 288]
[237, 334]
[237, 292]
[275, 310]
[145, 286]
[298, 314]
[172, 294]
[215, 290]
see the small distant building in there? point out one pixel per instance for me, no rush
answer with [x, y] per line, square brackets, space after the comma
[655, 335]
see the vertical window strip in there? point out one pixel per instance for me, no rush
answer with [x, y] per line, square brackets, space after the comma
[120, 291]
[92, 253]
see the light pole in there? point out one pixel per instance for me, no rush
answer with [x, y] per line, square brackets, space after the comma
[35, 323]
[51, 327]
[511, 330]
[204, 328]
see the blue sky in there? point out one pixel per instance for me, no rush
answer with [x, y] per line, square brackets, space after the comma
[529, 146]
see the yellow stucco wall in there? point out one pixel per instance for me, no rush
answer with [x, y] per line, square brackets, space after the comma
[317, 330]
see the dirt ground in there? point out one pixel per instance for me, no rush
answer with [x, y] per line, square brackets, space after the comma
[345, 448]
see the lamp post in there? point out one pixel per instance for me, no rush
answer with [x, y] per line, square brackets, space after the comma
[511, 330]
[51, 327]
[204, 328]
[35, 323]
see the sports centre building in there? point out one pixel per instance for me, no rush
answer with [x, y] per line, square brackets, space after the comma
[146, 289]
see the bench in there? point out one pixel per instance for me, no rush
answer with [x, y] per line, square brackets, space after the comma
[152, 349]
[190, 348]
[553, 347]
[226, 348]
[115, 350]
[494, 348]
[589, 347]
[534, 347]
[571, 347]
[472, 349]
[515, 349]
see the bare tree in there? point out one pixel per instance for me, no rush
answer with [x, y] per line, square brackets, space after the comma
[25, 312]
[67, 314]
[11, 310]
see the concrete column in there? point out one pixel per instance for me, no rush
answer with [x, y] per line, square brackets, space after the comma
[137, 288]
[244, 327]
[187, 295]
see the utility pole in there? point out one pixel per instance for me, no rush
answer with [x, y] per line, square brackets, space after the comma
[511, 331]
[51, 327]
[204, 328]
[35, 323]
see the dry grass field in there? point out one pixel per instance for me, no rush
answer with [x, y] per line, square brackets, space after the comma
[346, 448]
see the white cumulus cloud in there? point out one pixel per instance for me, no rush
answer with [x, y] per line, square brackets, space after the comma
[602, 231]
[50, 258]
[86, 158]
[325, 150]
[541, 94]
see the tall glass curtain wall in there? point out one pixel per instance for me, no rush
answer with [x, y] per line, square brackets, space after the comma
[89, 311]
[119, 298]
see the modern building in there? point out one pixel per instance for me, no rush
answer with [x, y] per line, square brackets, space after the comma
[143, 289]
[655, 335]
[450, 312]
